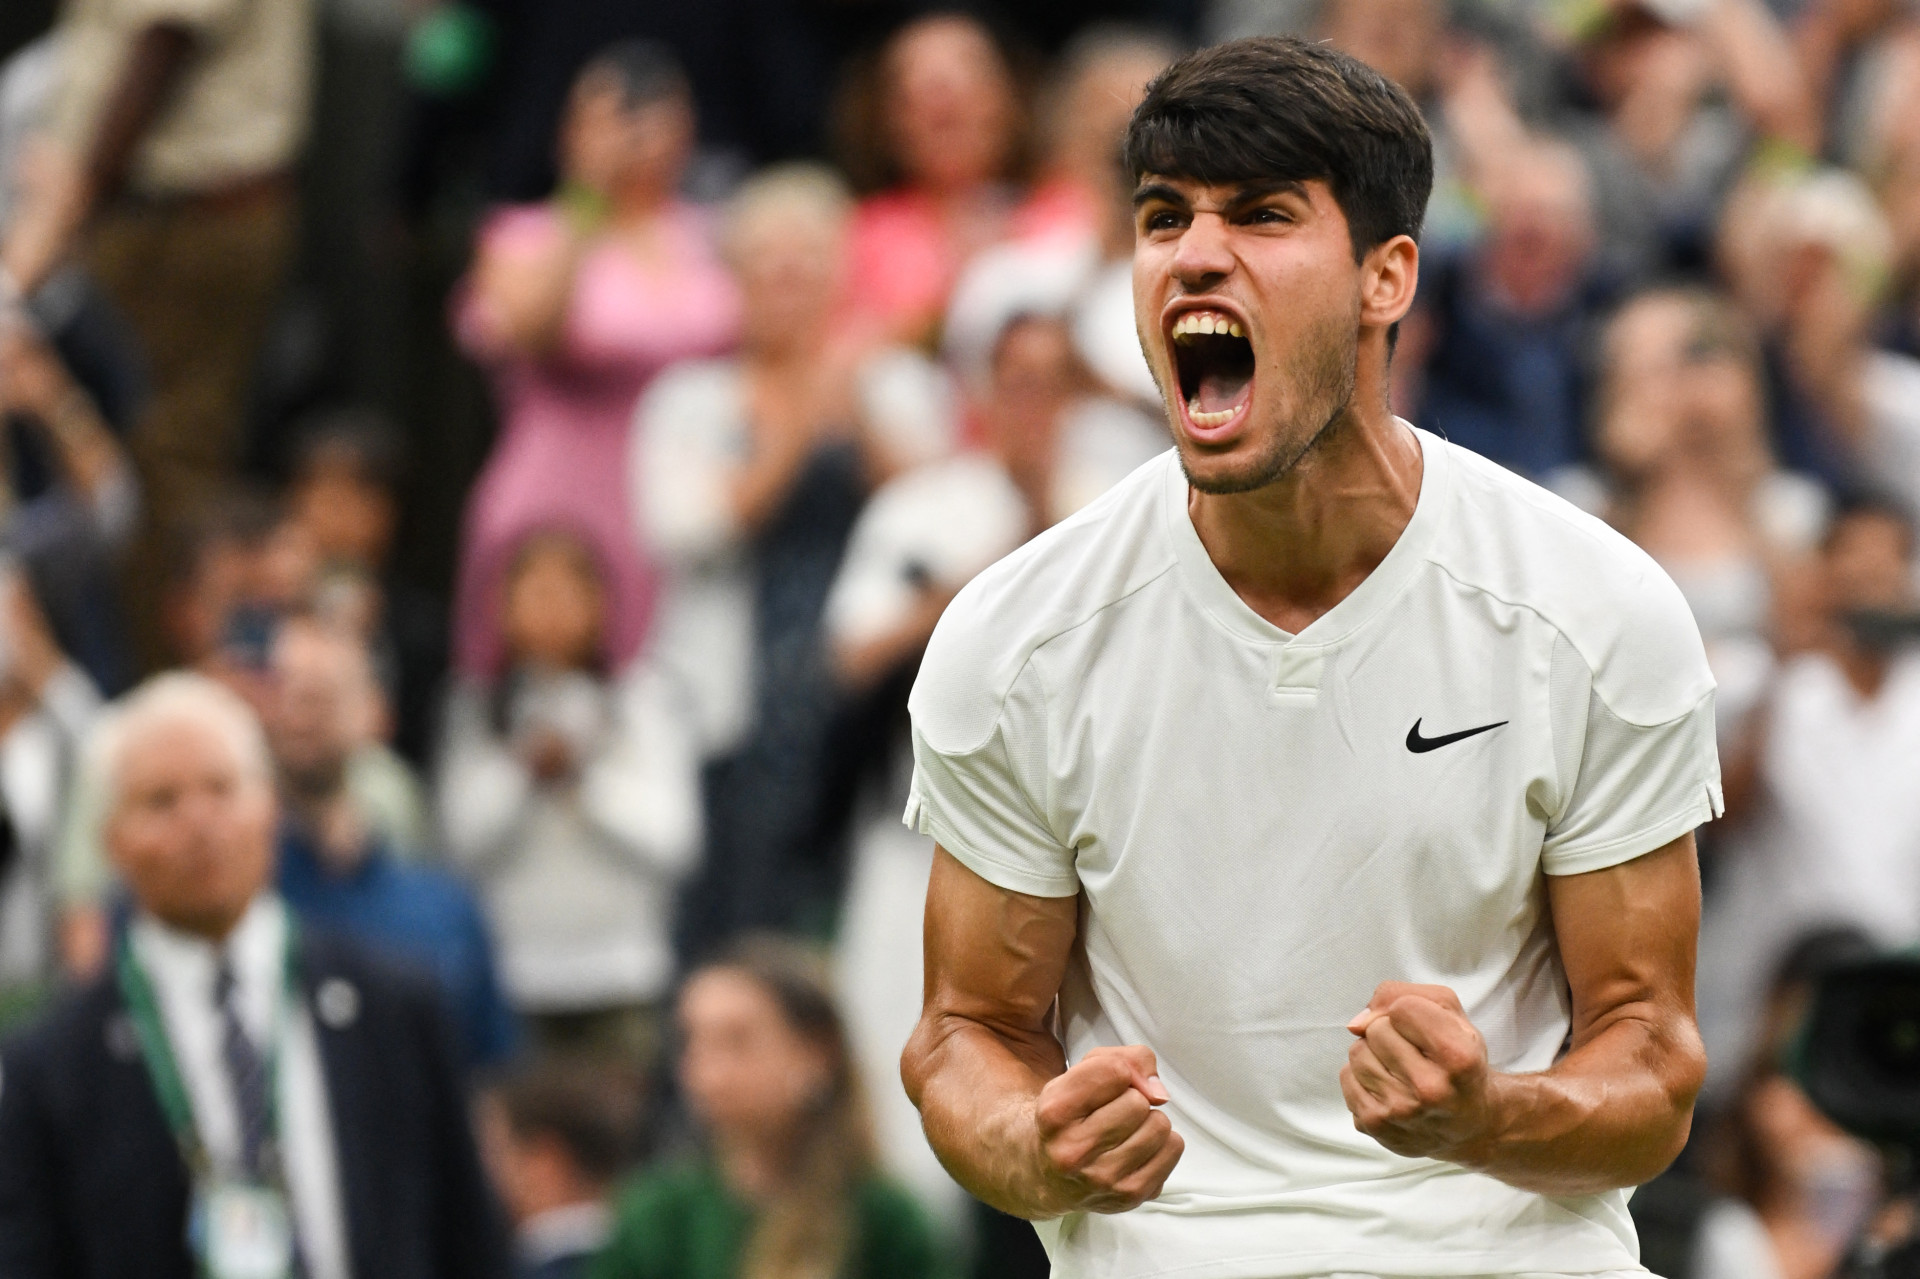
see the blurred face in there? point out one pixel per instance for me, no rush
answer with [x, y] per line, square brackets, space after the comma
[1033, 381]
[746, 1073]
[1867, 565]
[614, 149]
[950, 105]
[555, 607]
[192, 831]
[1542, 228]
[1669, 394]
[1098, 107]
[1397, 38]
[1248, 303]
[348, 520]
[790, 269]
[322, 707]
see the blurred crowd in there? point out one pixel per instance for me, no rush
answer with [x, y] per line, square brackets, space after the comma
[477, 478]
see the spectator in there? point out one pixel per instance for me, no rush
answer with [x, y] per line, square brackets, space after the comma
[1510, 321]
[1050, 449]
[1097, 81]
[142, 1101]
[344, 496]
[1685, 91]
[747, 476]
[570, 795]
[1682, 434]
[1071, 251]
[170, 152]
[338, 870]
[1808, 253]
[785, 1182]
[1830, 832]
[71, 498]
[574, 305]
[943, 128]
[46, 706]
[559, 1135]
[1813, 1187]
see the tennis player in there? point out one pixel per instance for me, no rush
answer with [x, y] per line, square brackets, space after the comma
[1316, 889]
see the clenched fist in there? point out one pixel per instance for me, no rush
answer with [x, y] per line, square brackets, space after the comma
[1104, 1145]
[1417, 1078]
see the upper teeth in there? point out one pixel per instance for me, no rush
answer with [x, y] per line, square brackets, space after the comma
[1197, 323]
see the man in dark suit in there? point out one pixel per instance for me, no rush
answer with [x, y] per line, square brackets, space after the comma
[236, 1094]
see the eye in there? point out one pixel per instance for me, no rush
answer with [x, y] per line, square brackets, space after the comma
[1161, 220]
[1268, 215]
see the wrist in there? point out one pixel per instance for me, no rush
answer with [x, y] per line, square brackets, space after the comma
[1501, 1099]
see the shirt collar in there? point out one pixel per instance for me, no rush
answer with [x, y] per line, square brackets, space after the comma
[564, 1232]
[1226, 607]
[181, 965]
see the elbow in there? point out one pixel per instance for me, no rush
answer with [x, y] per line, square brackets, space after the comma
[919, 1059]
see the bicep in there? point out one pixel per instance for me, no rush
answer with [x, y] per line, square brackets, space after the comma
[1627, 936]
[993, 955]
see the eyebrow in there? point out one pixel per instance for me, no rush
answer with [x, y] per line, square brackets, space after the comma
[1244, 193]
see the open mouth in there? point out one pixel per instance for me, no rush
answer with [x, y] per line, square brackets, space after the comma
[1215, 362]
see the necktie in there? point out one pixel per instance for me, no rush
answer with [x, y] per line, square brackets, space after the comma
[252, 1091]
[247, 1075]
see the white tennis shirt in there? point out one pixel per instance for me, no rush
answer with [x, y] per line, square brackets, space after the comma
[1259, 845]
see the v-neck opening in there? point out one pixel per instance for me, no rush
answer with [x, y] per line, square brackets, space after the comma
[1222, 603]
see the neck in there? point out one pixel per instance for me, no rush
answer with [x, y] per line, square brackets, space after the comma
[781, 354]
[1297, 547]
[754, 1164]
[213, 926]
[637, 203]
[1865, 671]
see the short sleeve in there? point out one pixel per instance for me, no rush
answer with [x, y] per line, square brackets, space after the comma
[1636, 785]
[984, 801]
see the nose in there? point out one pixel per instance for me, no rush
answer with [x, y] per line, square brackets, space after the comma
[1203, 257]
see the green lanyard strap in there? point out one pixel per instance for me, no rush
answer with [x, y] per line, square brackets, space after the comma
[143, 1005]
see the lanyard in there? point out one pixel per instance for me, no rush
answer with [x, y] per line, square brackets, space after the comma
[168, 1084]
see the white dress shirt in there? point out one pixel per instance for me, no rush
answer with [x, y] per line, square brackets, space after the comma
[181, 967]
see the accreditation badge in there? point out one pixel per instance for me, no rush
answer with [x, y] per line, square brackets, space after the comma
[243, 1231]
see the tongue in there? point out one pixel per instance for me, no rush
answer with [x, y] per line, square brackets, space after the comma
[1220, 391]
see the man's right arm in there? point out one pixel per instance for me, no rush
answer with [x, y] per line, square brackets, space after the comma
[1010, 1120]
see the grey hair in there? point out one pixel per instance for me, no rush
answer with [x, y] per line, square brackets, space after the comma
[172, 697]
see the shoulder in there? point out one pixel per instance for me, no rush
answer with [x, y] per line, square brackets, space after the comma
[328, 956]
[1515, 542]
[1058, 581]
[71, 1029]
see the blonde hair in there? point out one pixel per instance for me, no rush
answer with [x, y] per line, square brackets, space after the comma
[799, 190]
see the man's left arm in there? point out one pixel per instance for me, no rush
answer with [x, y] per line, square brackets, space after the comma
[1616, 1109]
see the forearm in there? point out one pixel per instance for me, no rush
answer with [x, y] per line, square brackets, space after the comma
[977, 1089]
[1612, 1113]
[1763, 75]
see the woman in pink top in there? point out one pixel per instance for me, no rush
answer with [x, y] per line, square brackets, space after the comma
[573, 305]
[948, 120]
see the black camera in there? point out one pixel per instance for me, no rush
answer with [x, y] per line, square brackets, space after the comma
[1858, 1059]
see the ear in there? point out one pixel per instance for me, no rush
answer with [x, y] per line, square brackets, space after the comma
[1389, 274]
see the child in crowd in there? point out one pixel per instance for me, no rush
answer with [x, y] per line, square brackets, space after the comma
[569, 793]
[557, 1135]
[786, 1184]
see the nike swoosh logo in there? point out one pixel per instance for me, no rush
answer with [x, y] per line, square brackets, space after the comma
[1421, 745]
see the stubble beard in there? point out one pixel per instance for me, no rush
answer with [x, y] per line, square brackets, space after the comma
[1322, 375]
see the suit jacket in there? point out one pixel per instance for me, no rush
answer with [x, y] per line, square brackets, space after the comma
[92, 1185]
